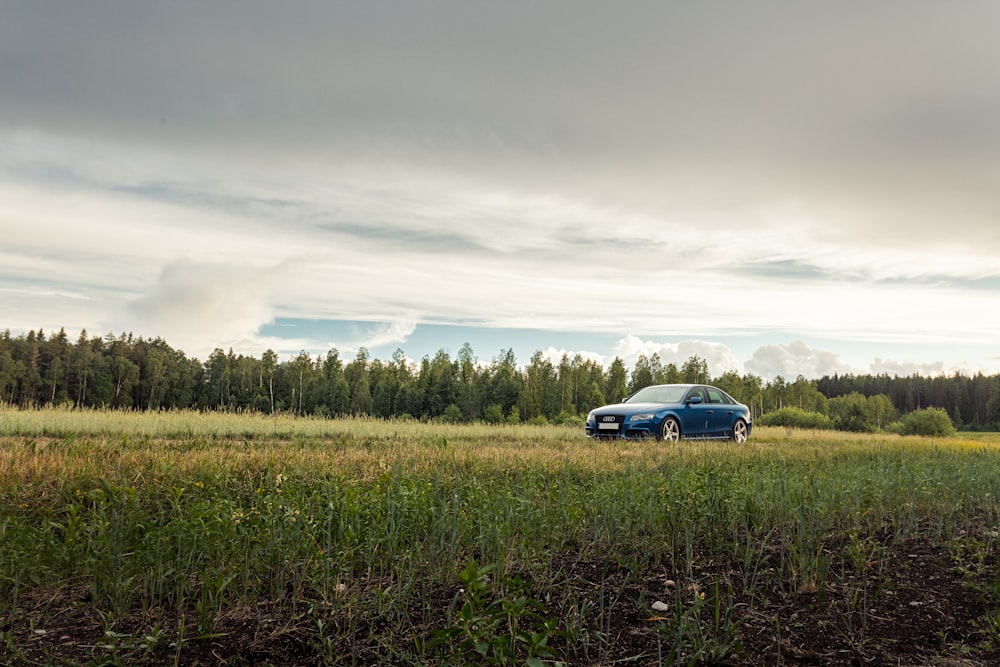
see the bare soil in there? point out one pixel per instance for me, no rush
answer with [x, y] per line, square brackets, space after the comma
[921, 605]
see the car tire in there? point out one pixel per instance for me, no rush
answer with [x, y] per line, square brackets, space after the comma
[740, 432]
[670, 430]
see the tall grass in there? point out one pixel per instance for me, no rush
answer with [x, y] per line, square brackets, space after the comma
[206, 513]
[59, 421]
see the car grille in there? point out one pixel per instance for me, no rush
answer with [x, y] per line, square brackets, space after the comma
[608, 424]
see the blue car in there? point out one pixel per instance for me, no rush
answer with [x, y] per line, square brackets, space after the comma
[671, 412]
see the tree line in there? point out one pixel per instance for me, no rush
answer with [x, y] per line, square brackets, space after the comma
[135, 373]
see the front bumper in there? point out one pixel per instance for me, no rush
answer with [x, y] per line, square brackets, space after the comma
[623, 429]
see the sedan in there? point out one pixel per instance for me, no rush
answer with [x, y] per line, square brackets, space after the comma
[671, 412]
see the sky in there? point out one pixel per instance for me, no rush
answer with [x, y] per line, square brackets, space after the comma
[780, 188]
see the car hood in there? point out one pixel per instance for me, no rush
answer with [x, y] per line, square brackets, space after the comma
[626, 408]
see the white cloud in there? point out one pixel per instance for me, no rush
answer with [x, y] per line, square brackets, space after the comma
[906, 368]
[719, 358]
[197, 307]
[555, 356]
[387, 334]
[794, 359]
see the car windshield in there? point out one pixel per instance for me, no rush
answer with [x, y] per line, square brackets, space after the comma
[667, 394]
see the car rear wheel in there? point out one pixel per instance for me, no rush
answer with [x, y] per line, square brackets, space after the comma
[740, 431]
[670, 430]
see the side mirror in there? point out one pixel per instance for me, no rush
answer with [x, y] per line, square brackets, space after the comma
[694, 400]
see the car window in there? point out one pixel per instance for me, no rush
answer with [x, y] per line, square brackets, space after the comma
[657, 394]
[715, 396]
[696, 391]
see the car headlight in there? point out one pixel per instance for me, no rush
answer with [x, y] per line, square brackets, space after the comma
[590, 416]
[645, 416]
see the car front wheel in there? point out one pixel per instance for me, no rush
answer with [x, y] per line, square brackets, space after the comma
[740, 431]
[670, 430]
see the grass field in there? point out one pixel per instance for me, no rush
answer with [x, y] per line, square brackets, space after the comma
[187, 538]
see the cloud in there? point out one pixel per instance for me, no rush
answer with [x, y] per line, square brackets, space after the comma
[555, 356]
[197, 307]
[794, 359]
[387, 334]
[907, 368]
[678, 170]
[719, 358]
[690, 111]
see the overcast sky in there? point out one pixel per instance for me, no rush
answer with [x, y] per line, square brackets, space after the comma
[779, 187]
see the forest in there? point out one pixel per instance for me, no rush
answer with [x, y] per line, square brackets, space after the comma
[133, 373]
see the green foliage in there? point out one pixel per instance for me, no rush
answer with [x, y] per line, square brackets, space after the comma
[801, 393]
[642, 374]
[859, 413]
[515, 415]
[133, 373]
[929, 422]
[850, 413]
[703, 630]
[973, 401]
[452, 414]
[795, 418]
[493, 414]
[567, 419]
[695, 370]
[494, 627]
[617, 388]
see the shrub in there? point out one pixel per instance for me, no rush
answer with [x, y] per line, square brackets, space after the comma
[452, 414]
[577, 421]
[850, 413]
[515, 415]
[859, 413]
[927, 421]
[795, 418]
[493, 413]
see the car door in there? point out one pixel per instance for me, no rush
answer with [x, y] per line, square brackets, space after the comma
[719, 413]
[695, 413]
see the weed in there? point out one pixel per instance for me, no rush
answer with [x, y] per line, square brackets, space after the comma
[506, 630]
[703, 628]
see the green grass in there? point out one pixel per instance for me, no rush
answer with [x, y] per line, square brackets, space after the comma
[204, 515]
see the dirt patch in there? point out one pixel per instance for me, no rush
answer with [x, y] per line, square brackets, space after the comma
[917, 605]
